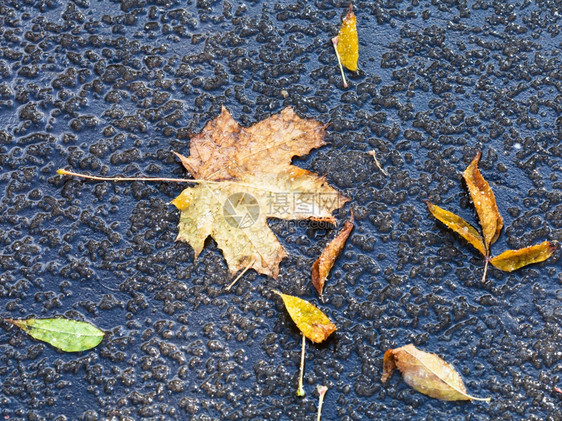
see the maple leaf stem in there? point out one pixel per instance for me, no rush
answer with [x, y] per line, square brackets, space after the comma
[246, 269]
[322, 392]
[171, 180]
[486, 267]
[335, 43]
[300, 390]
[98, 178]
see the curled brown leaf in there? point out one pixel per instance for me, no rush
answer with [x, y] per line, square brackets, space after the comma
[322, 267]
[484, 202]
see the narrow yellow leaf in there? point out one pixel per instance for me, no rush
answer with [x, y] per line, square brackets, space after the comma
[313, 324]
[459, 225]
[426, 373]
[484, 202]
[511, 260]
[348, 41]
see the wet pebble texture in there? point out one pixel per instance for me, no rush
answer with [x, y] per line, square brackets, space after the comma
[113, 87]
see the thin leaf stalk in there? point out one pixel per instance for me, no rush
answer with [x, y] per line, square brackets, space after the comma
[322, 392]
[117, 179]
[300, 390]
[335, 43]
[241, 274]
[164, 179]
[486, 267]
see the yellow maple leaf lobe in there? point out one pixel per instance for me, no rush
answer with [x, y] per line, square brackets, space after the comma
[311, 321]
[348, 41]
[249, 179]
[484, 202]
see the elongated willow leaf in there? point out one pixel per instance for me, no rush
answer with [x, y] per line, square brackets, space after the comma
[64, 334]
[426, 373]
[322, 267]
[459, 225]
[484, 202]
[313, 324]
[511, 260]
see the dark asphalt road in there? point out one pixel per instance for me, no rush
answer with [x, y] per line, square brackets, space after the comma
[109, 87]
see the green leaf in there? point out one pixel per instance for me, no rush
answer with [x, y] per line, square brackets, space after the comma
[64, 334]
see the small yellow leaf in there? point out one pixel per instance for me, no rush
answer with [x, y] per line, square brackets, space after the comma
[484, 202]
[313, 324]
[459, 225]
[426, 373]
[348, 41]
[511, 260]
[322, 267]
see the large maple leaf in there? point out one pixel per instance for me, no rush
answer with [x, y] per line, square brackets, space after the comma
[245, 177]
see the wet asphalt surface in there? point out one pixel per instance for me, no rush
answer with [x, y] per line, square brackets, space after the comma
[113, 87]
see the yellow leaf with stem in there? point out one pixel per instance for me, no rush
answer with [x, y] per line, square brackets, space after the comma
[346, 44]
[312, 322]
[348, 41]
[242, 177]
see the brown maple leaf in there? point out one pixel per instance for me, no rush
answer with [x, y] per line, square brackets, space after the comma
[249, 178]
